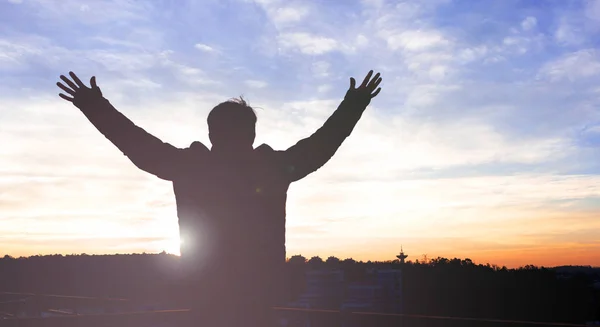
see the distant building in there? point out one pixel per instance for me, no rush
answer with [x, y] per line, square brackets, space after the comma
[327, 289]
[382, 293]
[362, 296]
[324, 290]
[391, 284]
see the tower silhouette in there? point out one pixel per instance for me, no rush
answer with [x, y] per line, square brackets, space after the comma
[401, 256]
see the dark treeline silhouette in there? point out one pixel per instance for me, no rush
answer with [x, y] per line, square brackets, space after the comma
[440, 286]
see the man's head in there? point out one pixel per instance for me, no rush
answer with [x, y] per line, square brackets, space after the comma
[231, 125]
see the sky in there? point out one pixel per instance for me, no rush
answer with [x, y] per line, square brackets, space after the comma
[482, 144]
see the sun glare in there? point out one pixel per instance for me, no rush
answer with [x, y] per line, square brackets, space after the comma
[172, 245]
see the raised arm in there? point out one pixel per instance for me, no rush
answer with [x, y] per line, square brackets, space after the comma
[311, 153]
[143, 149]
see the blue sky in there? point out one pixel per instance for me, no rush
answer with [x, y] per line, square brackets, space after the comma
[483, 142]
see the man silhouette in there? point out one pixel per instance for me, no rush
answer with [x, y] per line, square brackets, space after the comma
[230, 199]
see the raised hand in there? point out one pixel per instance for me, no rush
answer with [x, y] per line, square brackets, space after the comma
[79, 93]
[367, 90]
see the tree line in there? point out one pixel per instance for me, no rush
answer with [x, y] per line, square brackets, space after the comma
[439, 286]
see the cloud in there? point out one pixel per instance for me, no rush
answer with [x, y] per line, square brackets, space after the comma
[529, 23]
[573, 66]
[517, 43]
[416, 40]
[321, 68]
[307, 43]
[256, 84]
[361, 41]
[373, 3]
[289, 14]
[592, 10]
[283, 14]
[323, 88]
[570, 31]
[204, 47]
[74, 12]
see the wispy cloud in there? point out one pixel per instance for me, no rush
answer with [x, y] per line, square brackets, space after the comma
[529, 23]
[573, 66]
[204, 47]
[307, 43]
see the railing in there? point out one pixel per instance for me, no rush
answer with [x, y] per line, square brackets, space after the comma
[181, 317]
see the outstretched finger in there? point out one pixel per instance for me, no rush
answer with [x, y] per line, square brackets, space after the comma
[93, 82]
[65, 97]
[352, 83]
[367, 78]
[64, 88]
[376, 92]
[371, 84]
[69, 83]
[76, 79]
[376, 84]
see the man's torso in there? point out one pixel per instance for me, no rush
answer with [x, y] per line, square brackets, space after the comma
[232, 216]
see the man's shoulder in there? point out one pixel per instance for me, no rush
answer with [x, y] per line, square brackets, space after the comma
[197, 147]
[266, 152]
[264, 148]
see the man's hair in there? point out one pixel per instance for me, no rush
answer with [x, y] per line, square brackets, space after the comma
[233, 109]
